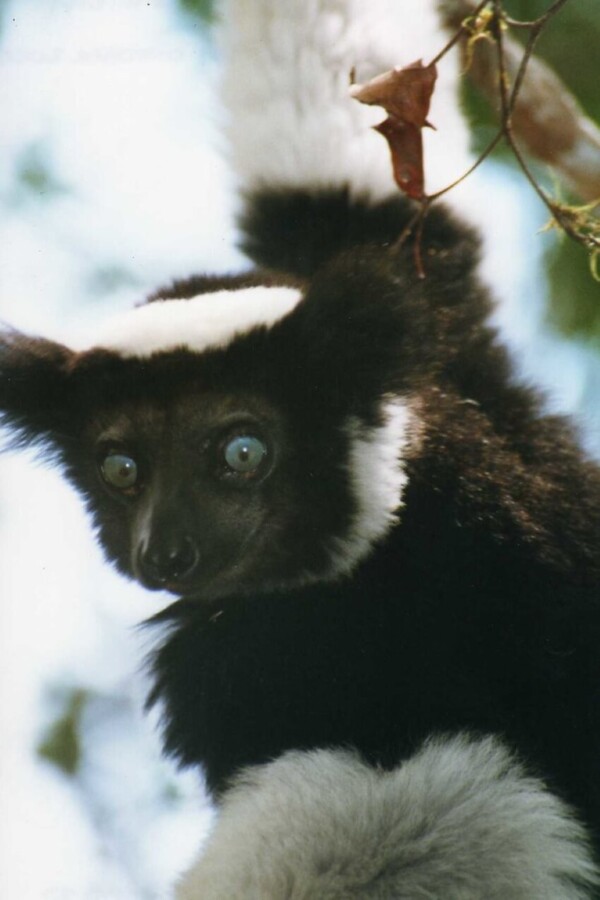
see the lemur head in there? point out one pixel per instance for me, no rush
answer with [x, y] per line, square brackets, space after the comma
[248, 435]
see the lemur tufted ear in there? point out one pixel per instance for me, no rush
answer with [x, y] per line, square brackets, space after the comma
[360, 331]
[35, 395]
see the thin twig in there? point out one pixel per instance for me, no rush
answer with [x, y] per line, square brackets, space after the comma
[507, 100]
[482, 156]
[540, 21]
[459, 34]
[508, 96]
[537, 26]
[578, 223]
[419, 237]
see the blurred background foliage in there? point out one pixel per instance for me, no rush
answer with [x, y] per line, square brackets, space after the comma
[571, 45]
[202, 10]
[61, 744]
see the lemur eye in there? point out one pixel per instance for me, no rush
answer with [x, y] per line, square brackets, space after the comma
[244, 454]
[119, 470]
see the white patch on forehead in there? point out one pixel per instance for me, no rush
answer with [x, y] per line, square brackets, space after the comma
[202, 322]
[377, 478]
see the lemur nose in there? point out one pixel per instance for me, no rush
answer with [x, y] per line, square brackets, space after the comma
[169, 561]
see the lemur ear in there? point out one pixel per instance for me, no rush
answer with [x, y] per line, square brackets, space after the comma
[360, 331]
[34, 387]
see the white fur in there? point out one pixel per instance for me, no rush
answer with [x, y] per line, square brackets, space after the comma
[292, 122]
[377, 478]
[208, 320]
[460, 820]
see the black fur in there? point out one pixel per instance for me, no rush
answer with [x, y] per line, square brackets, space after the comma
[479, 611]
[297, 231]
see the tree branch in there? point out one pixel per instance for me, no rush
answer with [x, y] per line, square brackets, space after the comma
[544, 116]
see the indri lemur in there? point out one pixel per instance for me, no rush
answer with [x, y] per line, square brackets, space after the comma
[373, 537]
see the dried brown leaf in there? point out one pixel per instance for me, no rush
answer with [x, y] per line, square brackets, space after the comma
[405, 94]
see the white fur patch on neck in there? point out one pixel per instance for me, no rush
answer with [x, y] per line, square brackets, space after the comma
[378, 479]
[202, 322]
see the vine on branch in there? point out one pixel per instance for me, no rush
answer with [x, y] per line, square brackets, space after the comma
[536, 112]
